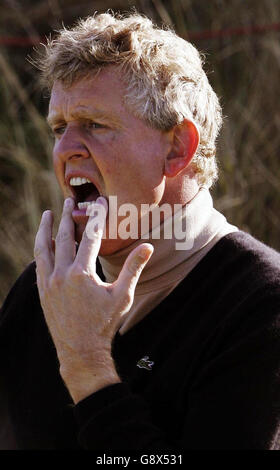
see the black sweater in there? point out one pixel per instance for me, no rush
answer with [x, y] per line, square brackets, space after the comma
[214, 384]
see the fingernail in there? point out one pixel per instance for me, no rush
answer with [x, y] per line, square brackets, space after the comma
[144, 253]
[46, 213]
[68, 202]
[102, 200]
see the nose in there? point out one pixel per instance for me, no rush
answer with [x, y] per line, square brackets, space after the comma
[70, 146]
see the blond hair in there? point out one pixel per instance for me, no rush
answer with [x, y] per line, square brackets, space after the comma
[163, 74]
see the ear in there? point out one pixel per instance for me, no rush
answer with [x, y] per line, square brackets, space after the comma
[184, 146]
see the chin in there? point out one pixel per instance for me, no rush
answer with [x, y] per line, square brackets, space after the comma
[108, 247]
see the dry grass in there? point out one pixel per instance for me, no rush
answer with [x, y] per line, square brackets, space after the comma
[244, 70]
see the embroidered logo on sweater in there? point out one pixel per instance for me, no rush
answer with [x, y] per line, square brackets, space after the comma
[145, 363]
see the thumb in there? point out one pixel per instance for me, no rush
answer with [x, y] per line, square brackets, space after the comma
[132, 268]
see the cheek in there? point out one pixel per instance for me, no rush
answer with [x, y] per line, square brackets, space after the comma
[129, 168]
[106, 153]
[59, 168]
[55, 159]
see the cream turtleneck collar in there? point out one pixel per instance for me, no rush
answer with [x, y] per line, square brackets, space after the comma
[168, 266]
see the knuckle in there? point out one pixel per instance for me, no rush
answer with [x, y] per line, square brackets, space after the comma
[77, 272]
[38, 250]
[134, 267]
[62, 237]
[65, 215]
[127, 298]
[57, 278]
[92, 232]
[41, 261]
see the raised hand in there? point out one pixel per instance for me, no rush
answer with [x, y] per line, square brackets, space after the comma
[82, 312]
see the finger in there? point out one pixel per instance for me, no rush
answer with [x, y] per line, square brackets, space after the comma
[43, 246]
[132, 269]
[92, 236]
[65, 238]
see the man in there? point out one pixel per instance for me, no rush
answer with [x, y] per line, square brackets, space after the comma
[93, 355]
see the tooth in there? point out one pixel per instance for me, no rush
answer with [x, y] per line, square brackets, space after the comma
[77, 181]
[83, 205]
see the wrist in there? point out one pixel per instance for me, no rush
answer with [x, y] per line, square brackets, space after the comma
[81, 390]
[82, 380]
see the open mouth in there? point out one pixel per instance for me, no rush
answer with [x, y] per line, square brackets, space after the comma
[84, 192]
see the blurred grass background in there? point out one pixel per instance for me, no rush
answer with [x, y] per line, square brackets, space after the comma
[244, 70]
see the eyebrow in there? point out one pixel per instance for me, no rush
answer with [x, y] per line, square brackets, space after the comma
[84, 112]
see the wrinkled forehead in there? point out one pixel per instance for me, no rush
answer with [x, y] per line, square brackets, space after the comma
[102, 82]
[103, 91]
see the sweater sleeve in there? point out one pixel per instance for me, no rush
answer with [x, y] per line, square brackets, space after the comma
[233, 401]
[115, 418]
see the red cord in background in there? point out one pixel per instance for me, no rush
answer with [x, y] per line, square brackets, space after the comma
[24, 41]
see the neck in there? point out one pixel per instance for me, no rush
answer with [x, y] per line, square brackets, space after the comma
[195, 231]
[177, 193]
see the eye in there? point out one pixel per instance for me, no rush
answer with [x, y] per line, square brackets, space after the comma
[95, 125]
[58, 130]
